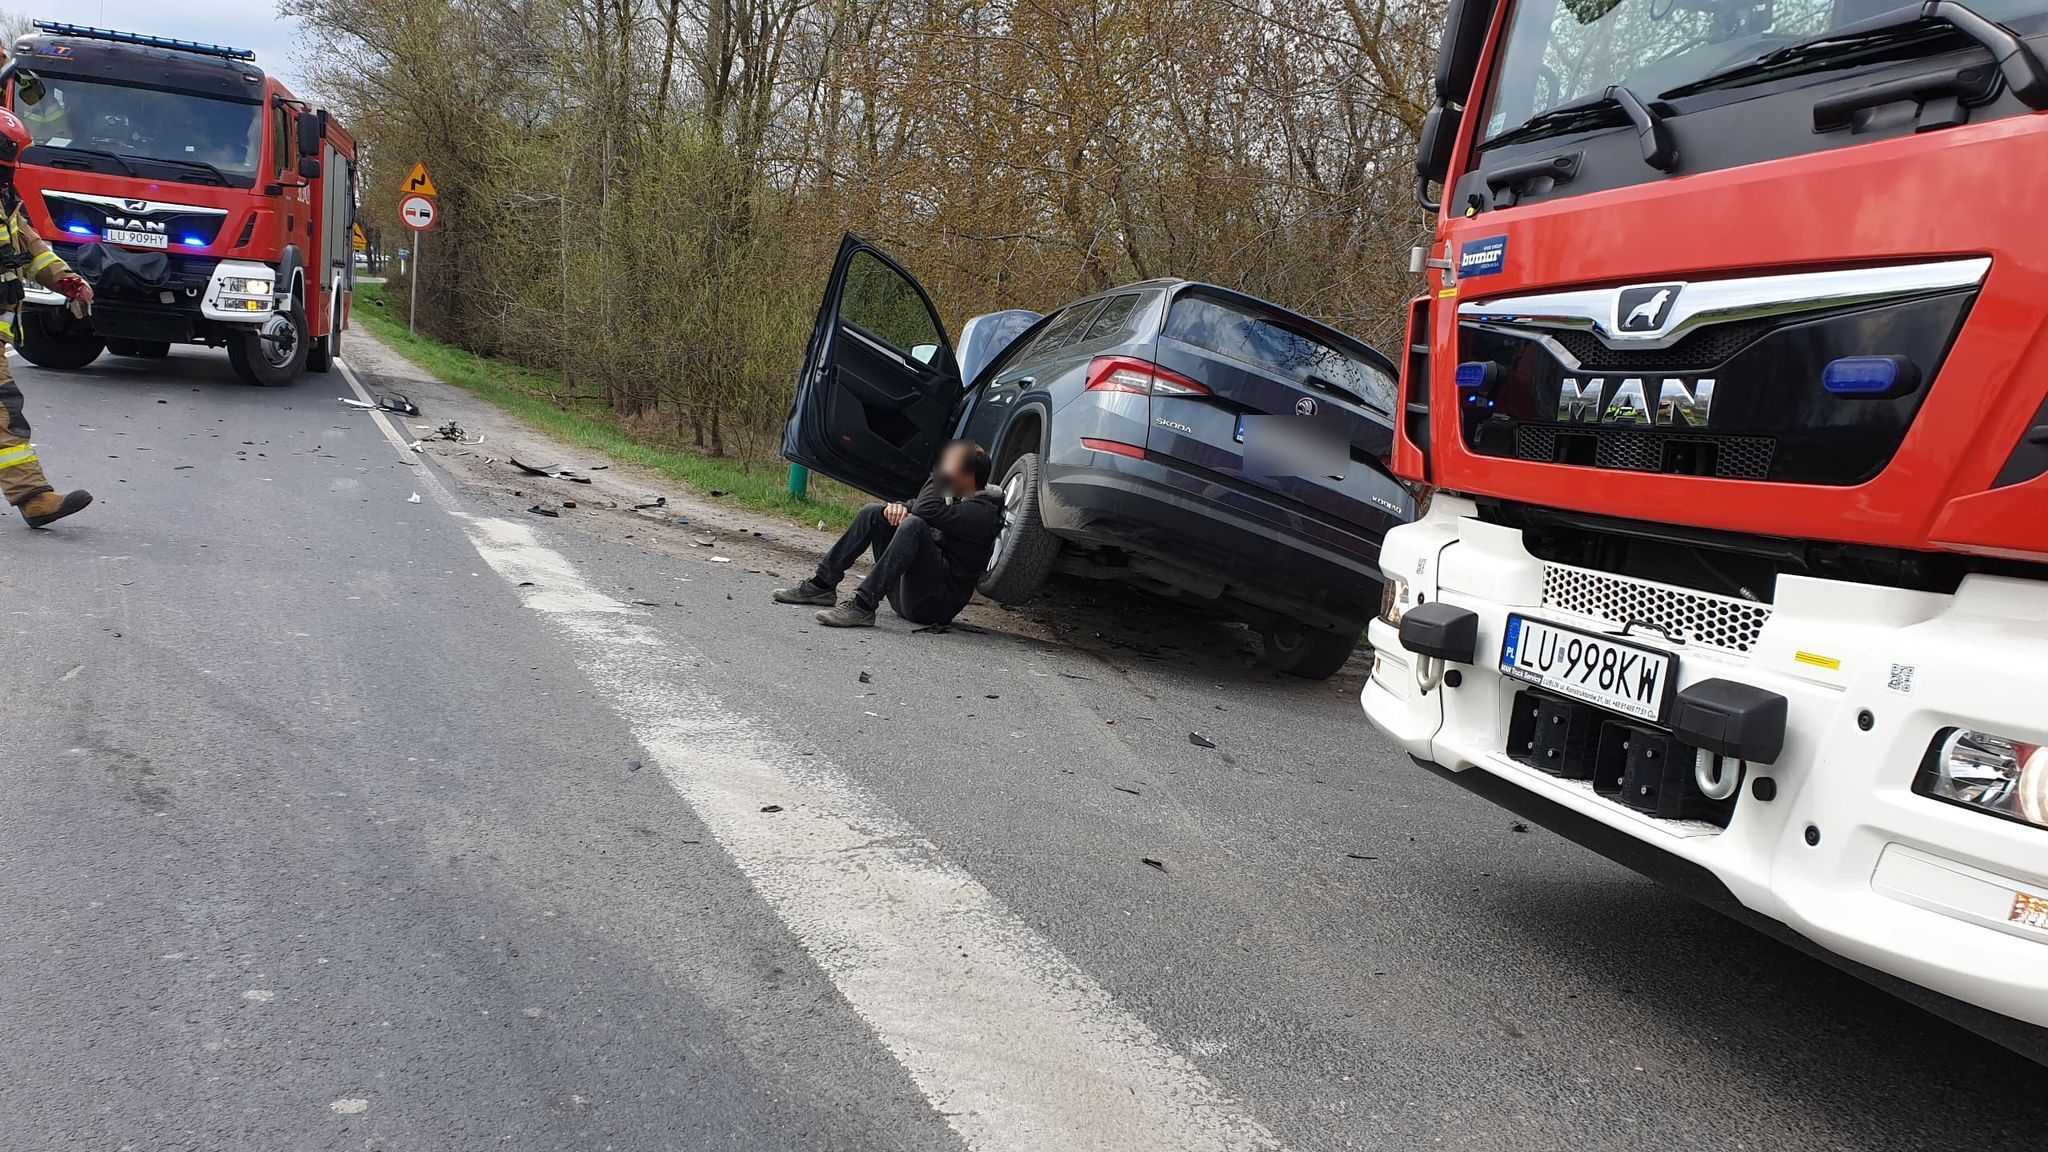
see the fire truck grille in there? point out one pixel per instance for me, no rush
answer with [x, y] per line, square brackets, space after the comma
[1707, 348]
[1685, 454]
[1700, 618]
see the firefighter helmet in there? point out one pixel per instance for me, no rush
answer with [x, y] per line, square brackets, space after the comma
[14, 138]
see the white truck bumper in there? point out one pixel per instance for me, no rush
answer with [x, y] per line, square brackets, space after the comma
[1845, 853]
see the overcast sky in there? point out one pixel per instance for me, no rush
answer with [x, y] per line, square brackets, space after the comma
[238, 23]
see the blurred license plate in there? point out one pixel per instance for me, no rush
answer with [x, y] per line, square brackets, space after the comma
[1606, 673]
[138, 239]
[1280, 446]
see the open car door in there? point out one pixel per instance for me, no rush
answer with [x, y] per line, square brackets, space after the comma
[879, 384]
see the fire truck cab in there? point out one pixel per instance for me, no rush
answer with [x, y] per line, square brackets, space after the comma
[1728, 386]
[205, 202]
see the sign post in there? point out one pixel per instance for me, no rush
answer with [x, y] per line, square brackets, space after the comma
[418, 211]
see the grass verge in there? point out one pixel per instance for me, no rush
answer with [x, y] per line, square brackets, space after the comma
[528, 394]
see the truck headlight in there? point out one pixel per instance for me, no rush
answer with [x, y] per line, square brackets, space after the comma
[1994, 774]
[1393, 600]
[239, 286]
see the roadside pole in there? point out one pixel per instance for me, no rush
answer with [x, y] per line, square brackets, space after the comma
[799, 481]
[412, 310]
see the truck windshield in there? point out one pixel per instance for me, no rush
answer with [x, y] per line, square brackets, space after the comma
[1557, 51]
[199, 139]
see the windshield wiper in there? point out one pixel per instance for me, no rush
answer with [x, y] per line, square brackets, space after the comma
[95, 152]
[2023, 71]
[201, 165]
[1605, 108]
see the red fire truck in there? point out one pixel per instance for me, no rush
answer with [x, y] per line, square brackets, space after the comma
[204, 201]
[1728, 387]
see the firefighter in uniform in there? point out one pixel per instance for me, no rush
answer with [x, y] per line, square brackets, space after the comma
[23, 253]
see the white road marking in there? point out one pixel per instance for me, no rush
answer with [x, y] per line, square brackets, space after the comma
[1016, 1047]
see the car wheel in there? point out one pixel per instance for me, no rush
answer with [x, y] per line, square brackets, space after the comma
[1024, 549]
[51, 339]
[275, 354]
[1309, 653]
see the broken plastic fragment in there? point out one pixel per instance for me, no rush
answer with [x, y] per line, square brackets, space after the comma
[1200, 741]
[413, 499]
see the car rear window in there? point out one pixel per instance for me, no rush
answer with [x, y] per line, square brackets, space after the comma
[1250, 338]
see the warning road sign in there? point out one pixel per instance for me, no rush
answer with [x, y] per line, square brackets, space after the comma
[419, 183]
[418, 212]
[360, 242]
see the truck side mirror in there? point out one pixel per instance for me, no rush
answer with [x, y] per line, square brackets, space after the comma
[1433, 157]
[1465, 26]
[311, 129]
[309, 167]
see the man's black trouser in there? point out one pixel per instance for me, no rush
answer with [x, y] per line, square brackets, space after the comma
[909, 571]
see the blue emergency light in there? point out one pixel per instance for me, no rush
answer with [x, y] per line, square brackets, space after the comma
[1869, 376]
[55, 28]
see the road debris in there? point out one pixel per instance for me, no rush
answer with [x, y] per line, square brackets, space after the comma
[771, 807]
[568, 503]
[647, 603]
[1132, 791]
[399, 404]
[721, 559]
[1521, 827]
[865, 677]
[1356, 856]
[354, 403]
[413, 499]
[704, 541]
[1200, 741]
[633, 765]
[537, 510]
[656, 502]
[821, 525]
[529, 469]
[1149, 862]
[716, 492]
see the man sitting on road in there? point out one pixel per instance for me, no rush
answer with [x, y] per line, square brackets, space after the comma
[928, 553]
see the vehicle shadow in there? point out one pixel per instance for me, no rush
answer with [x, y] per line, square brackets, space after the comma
[1128, 627]
[1800, 1031]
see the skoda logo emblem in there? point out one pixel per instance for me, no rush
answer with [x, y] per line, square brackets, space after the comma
[1306, 406]
[1644, 309]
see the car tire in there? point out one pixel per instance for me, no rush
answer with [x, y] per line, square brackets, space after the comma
[1309, 653]
[258, 361]
[1024, 549]
[49, 340]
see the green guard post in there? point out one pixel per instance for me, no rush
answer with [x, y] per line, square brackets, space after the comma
[799, 481]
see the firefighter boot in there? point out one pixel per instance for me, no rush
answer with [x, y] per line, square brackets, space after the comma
[46, 507]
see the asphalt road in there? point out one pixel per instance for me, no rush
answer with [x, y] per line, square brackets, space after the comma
[333, 820]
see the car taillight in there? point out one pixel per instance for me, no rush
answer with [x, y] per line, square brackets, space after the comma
[1142, 377]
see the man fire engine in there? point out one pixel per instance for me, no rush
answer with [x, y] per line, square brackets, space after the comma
[206, 204]
[1729, 387]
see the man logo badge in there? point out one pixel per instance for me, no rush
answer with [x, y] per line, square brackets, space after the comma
[1644, 309]
[1306, 406]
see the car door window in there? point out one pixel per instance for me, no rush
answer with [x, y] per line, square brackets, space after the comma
[1114, 316]
[885, 306]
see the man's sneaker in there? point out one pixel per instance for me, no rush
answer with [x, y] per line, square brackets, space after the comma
[848, 614]
[808, 592]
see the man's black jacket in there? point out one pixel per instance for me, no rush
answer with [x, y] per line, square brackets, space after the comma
[967, 532]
